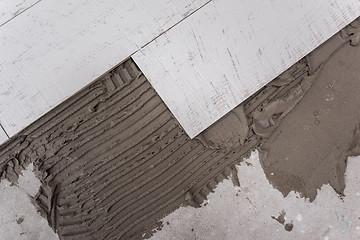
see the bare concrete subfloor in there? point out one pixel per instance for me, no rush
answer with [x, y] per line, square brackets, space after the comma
[255, 210]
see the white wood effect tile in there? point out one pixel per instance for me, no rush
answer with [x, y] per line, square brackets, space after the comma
[213, 60]
[55, 48]
[11, 8]
[3, 136]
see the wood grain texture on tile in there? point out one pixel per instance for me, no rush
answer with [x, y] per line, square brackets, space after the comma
[55, 48]
[12, 8]
[213, 60]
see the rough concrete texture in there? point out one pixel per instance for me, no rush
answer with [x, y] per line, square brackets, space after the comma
[255, 210]
[19, 219]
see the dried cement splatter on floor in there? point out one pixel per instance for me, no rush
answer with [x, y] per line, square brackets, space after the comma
[246, 212]
[112, 160]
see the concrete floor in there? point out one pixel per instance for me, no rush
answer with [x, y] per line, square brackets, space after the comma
[248, 211]
[19, 219]
[251, 211]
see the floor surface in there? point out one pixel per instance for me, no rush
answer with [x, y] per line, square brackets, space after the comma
[255, 210]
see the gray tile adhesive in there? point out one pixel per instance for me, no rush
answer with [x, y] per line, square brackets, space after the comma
[113, 160]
